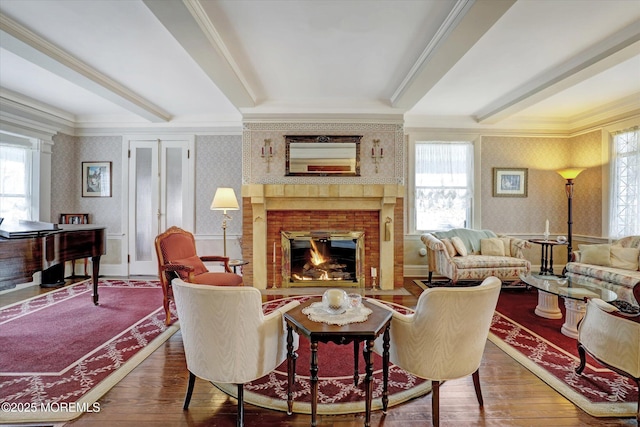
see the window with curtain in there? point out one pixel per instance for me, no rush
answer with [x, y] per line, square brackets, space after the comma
[443, 185]
[15, 182]
[624, 193]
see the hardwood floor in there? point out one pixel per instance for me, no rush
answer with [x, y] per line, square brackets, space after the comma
[152, 395]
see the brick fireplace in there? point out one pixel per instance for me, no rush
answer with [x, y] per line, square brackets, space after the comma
[376, 210]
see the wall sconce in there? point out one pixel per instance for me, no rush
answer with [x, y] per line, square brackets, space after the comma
[569, 174]
[267, 153]
[377, 153]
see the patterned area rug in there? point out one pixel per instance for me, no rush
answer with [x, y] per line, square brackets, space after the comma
[60, 353]
[538, 345]
[337, 393]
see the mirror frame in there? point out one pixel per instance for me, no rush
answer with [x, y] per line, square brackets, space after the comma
[323, 139]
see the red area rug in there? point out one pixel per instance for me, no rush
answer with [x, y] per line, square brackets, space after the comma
[337, 393]
[538, 345]
[61, 353]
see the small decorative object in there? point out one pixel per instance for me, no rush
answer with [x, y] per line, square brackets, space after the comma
[510, 182]
[355, 300]
[96, 179]
[546, 230]
[561, 239]
[335, 301]
[267, 153]
[374, 275]
[377, 153]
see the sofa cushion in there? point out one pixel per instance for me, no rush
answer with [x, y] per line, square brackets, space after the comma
[451, 250]
[470, 238]
[487, 261]
[506, 241]
[625, 258]
[616, 276]
[596, 254]
[459, 245]
[493, 246]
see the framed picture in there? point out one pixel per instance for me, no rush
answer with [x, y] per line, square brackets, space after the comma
[510, 182]
[96, 179]
[74, 218]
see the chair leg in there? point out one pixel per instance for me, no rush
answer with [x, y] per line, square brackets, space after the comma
[476, 385]
[240, 421]
[583, 360]
[167, 311]
[187, 397]
[435, 403]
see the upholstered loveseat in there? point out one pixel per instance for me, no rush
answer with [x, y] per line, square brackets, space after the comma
[465, 254]
[610, 266]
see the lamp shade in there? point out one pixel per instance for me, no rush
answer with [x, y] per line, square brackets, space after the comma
[570, 173]
[224, 200]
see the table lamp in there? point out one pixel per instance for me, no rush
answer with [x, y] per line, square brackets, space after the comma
[224, 200]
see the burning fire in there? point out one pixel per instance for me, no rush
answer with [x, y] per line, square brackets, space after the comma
[316, 256]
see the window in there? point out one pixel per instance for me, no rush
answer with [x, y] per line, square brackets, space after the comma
[625, 184]
[443, 185]
[15, 181]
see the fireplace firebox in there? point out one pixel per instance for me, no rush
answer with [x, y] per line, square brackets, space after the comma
[322, 258]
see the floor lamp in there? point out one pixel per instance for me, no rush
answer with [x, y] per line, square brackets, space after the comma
[569, 174]
[224, 200]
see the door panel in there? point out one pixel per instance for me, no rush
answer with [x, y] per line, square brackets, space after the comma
[160, 196]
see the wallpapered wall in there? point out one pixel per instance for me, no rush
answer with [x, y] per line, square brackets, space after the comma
[67, 156]
[231, 160]
[255, 169]
[218, 164]
[546, 190]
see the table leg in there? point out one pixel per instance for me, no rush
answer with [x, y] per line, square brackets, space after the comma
[96, 269]
[291, 370]
[314, 382]
[385, 369]
[575, 312]
[550, 270]
[548, 306]
[543, 260]
[356, 345]
[368, 380]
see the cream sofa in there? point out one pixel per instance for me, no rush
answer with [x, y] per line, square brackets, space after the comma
[471, 263]
[613, 267]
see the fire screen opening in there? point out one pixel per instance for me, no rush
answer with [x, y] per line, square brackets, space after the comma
[322, 258]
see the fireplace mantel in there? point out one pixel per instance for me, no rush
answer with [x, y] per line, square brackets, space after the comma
[322, 197]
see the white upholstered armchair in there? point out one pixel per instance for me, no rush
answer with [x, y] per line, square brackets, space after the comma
[226, 336]
[445, 338]
[612, 340]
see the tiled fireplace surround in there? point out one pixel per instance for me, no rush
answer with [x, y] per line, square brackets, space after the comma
[271, 208]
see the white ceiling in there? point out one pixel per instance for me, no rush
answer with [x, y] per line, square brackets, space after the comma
[436, 63]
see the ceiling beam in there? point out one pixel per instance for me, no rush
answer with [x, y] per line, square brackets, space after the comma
[191, 27]
[621, 46]
[33, 48]
[468, 21]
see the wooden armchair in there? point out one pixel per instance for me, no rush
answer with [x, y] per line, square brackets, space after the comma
[177, 258]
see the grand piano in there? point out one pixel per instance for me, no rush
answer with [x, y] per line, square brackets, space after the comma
[30, 246]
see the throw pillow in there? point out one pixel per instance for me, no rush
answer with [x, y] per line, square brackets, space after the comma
[625, 258]
[459, 245]
[449, 247]
[494, 247]
[506, 241]
[193, 261]
[595, 254]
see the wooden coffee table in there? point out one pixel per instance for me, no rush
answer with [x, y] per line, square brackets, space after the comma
[377, 323]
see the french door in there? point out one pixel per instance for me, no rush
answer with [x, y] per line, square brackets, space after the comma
[161, 194]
